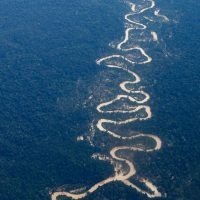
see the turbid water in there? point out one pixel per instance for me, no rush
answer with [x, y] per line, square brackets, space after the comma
[99, 99]
[122, 175]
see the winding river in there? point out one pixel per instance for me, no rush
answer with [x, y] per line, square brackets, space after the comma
[120, 174]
